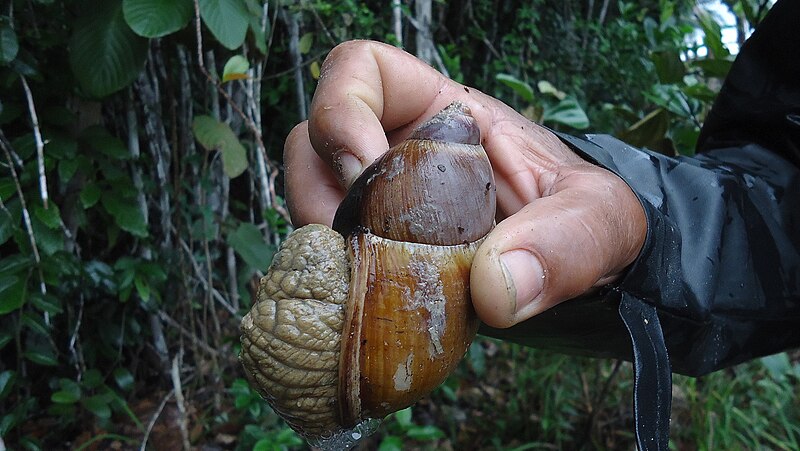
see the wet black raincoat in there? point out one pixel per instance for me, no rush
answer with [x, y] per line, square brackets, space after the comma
[718, 279]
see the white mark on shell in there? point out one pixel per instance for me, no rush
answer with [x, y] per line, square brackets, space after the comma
[429, 294]
[403, 376]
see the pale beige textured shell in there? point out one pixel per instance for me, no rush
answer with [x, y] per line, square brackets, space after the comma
[291, 338]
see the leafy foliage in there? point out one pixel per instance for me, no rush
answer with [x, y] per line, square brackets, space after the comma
[124, 285]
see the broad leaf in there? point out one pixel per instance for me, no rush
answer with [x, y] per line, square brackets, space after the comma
[227, 20]
[235, 69]
[522, 89]
[215, 135]
[545, 87]
[12, 293]
[10, 219]
[304, 46]
[123, 378]
[9, 46]
[713, 36]
[669, 67]
[98, 405]
[104, 142]
[45, 358]
[90, 194]
[647, 131]
[249, 243]
[567, 112]
[156, 18]
[49, 216]
[126, 213]
[104, 53]
[7, 379]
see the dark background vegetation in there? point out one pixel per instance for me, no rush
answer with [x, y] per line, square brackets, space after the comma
[141, 198]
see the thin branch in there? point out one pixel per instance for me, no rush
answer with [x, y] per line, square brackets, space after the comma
[199, 343]
[177, 362]
[25, 213]
[199, 273]
[154, 419]
[37, 136]
[74, 338]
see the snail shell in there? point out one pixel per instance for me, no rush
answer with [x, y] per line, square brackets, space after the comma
[365, 320]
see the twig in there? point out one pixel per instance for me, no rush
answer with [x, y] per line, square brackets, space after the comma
[26, 217]
[176, 384]
[199, 274]
[294, 55]
[73, 340]
[154, 419]
[37, 136]
[172, 323]
[397, 20]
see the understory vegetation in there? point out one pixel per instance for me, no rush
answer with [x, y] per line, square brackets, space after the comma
[141, 199]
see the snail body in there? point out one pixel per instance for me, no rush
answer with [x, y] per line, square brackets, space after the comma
[364, 319]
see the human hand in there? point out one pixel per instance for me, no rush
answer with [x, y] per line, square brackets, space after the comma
[564, 226]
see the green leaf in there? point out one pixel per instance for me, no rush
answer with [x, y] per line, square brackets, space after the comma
[90, 194]
[142, 287]
[67, 169]
[227, 20]
[92, 378]
[714, 67]
[104, 53]
[391, 443]
[46, 303]
[123, 378]
[49, 216]
[259, 35]
[522, 88]
[49, 240]
[64, 397]
[669, 67]
[41, 358]
[425, 433]
[215, 135]
[403, 417]
[9, 46]
[304, 46]
[235, 69]
[713, 36]
[156, 18]
[70, 386]
[545, 87]
[5, 338]
[567, 112]
[104, 142]
[647, 131]
[126, 213]
[35, 324]
[10, 219]
[12, 293]
[15, 263]
[98, 405]
[249, 243]
[7, 379]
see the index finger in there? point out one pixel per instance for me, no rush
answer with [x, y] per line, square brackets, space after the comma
[366, 90]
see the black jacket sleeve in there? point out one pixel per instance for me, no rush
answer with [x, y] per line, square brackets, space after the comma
[718, 279]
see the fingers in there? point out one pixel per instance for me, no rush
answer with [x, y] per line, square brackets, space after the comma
[366, 91]
[312, 190]
[557, 247]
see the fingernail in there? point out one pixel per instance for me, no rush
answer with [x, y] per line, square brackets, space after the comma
[524, 276]
[348, 167]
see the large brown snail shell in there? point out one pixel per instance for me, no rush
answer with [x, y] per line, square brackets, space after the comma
[365, 320]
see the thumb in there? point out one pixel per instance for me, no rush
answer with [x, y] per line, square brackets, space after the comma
[557, 247]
